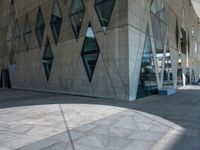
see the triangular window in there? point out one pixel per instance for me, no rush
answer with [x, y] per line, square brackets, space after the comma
[158, 20]
[147, 81]
[104, 9]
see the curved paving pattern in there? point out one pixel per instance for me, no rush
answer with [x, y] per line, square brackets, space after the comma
[43, 121]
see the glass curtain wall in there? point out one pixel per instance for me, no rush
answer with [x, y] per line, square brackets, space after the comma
[147, 81]
[168, 70]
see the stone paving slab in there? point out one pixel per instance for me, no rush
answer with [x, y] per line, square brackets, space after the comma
[44, 121]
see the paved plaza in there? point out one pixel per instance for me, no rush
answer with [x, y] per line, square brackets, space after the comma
[45, 121]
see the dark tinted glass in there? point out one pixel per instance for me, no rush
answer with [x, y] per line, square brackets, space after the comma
[90, 52]
[147, 83]
[56, 21]
[40, 25]
[27, 33]
[76, 16]
[104, 9]
[47, 59]
[168, 71]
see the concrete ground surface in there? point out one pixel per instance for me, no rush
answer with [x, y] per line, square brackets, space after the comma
[45, 121]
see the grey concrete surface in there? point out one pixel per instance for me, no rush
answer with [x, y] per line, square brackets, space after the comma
[44, 121]
[117, 70]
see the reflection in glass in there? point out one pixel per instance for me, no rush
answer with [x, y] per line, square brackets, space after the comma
[104, 10]
[158, 19]
[196, 48]
[39, 29]
[187, 76]
[188, 45]
[76, 15]
[56, 21]
[179, 72]
[168, 71]
[27, 33]
[90, 52]
[147, 83]
[183, 41]
[193, 77]
[47, 59]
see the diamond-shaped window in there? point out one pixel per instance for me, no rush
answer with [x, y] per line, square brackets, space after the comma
[104, 9]
[27, 33]
[90, 52]
[56, 21]
[40, 26]
[76, 16]
[47, 59]
[16, 36]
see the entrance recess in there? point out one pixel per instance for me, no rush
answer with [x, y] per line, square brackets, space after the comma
[5, 79]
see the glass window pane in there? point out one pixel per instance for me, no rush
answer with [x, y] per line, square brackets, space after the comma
[168, 70]
[179, 72]
[77, 12]
[90, 52]
[27, 33]
[104, 9]
[56, 21]
[47, 59]
[147, 83]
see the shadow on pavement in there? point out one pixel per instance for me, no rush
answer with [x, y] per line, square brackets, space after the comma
[179, 112]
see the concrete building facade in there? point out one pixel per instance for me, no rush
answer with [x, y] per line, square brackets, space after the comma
[118, 49]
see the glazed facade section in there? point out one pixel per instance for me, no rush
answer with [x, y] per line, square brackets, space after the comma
[118, 49]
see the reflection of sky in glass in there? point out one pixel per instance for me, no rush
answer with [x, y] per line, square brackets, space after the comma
[56, 10]
[167, 54]
[90, 33]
